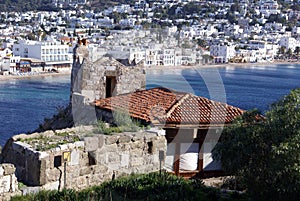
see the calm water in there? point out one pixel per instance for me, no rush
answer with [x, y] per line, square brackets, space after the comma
[247, 87]
[25, 103]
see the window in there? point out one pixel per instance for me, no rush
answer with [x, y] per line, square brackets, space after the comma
[92, 160]
[57, 161]
[110, 86]
[150, 147]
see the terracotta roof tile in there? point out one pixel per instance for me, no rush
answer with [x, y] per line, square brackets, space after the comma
[171, 107]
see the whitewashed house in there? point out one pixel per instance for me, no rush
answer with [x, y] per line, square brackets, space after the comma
[53, 53]
[222, 53]
[289, 43]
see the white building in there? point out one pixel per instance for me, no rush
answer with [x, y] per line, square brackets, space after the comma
[222, 53]
[53, 53]
[268, 7]
[10, 64]
[289, 43]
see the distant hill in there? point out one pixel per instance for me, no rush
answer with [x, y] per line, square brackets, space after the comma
[21, 5]
[28, 5]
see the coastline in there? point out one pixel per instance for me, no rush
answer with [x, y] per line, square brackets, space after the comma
[239, 65]
[16, 77]
[179, 67]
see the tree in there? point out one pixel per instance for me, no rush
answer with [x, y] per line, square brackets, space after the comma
[297, 50]
[201, 42]
[282, 50]
[289, 52]
[265, 152]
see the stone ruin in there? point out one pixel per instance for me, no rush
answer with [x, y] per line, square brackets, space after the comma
[79, 157]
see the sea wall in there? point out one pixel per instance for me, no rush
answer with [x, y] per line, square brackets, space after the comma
[90, 161]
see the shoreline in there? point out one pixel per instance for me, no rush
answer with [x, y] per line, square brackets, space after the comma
[206, 66]
[179, 67]
[16, 77]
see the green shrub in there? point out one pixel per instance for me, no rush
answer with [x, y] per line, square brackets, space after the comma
[139, 187]
[122, 123]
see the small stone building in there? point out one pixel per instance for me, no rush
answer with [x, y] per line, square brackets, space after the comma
[80, 157]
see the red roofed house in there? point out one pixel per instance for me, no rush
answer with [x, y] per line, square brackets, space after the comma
[193, 125]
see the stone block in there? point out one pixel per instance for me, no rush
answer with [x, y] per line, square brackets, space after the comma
[137, 145]
[72, 172]
[1, 171]
[125, 160]
[124, 139]
[63, 147]
[125, 147]
[5, 184]
[43, 167]
[81, 182]
[113, 157]
[30, 190]
[101, 159]
[52, 175]
[85, 171]
[14, 184]
[79, 144]
[91, 143]
[8, 168]
[51, 186]
[43, 155]
[100, 169]
[111, 139]
[101, 141]
[110, 148]
[136, 161]
[75, 157]
[96, 179]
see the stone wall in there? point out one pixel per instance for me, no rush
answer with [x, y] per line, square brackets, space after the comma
[89, 80]
[8, 181]
[91, 161]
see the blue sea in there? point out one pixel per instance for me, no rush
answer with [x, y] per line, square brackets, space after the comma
[25, 103]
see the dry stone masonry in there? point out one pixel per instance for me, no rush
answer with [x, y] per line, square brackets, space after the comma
[93, 159]
[8, 181]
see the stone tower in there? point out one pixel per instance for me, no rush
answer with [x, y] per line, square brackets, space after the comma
[103, 78]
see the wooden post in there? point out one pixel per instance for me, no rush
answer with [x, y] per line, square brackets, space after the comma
[177, 158]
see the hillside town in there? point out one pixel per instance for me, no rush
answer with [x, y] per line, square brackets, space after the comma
[159, 33]
[115, 126]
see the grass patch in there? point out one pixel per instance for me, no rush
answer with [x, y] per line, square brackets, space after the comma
[139, 188]
[122, 123]
[43, 143]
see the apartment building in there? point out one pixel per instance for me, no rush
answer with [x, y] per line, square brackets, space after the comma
[53, 53]
[222, 53]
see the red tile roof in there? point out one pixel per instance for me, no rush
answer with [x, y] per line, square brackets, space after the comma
[171, 107]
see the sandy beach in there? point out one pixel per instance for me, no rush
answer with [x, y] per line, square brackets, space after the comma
[11, 77]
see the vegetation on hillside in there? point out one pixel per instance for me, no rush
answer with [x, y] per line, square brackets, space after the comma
[21, 5]
[151, 186]
[265, 153]
[46, 5]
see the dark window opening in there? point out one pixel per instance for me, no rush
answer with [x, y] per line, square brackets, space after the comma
[92, 160]
[57, 161]
[110, 86]
[150, 147]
